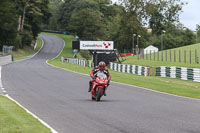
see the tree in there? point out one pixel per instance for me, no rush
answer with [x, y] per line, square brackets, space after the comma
[65, 12]
[8, 23]
[88, 24]
[54, 10]
[161, 13]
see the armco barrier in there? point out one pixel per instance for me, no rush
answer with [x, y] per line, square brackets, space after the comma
[5, 60]
[80, 62]
[183, 73]
[126, 68]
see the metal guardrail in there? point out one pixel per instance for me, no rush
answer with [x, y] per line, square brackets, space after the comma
[80, 62]
[7, 50]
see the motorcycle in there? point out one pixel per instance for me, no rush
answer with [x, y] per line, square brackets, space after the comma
[99, 86]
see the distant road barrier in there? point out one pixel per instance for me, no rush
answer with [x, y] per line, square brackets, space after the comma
[5, 60]
[80, 62]
[134, 69]
[183, 73]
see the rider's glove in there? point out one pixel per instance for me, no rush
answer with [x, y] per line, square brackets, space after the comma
[108, 82]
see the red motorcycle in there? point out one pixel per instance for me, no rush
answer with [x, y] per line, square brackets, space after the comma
[99, 86]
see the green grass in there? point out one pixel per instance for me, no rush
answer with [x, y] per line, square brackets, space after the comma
[147, 62]
[20, 54]
[168, 85]
[14, 119]
[67, 51]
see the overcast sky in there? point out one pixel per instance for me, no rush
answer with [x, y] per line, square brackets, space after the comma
[190, 15]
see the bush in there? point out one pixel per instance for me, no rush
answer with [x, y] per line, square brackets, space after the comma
[18, 42]
[27, 38]
[85, 54]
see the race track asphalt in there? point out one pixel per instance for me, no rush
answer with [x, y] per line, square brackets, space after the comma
[60, 98]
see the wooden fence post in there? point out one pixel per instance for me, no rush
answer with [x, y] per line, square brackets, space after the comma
[174, 56]
[184, 56]
[170, 55]
[190, 56]
[150, 54]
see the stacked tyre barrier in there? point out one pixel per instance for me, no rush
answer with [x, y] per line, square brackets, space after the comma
[80, 62]
[183, 73]
[134, 69]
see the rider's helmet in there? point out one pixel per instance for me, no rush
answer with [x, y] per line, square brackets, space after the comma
[102, 65]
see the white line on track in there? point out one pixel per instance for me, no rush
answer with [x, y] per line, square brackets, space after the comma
[9, 97]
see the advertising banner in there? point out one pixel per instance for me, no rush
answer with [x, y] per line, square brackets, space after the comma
[96, 45]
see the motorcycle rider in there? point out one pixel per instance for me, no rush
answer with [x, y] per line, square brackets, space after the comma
[100, 67]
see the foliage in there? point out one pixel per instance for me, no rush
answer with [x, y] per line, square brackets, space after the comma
[27, 38]
[173, 86]
[85, 54]
[161, 13]
[8, 23]
[88, 24]
[101, 20]
[54, 10]
[96, 20]
[21, 20]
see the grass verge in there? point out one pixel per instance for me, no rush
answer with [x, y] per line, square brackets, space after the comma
[168, 85]
[177, 60]
[21, 54]
[14, 119]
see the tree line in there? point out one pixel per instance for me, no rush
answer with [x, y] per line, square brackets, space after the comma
[104, 20]
[21, 21]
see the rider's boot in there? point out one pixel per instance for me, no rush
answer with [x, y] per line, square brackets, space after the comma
[106, 89]
[90, 86]
[104, 92]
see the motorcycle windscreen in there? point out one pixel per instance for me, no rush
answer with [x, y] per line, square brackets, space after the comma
[102, 75]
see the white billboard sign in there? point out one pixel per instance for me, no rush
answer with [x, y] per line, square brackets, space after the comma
[96, 45]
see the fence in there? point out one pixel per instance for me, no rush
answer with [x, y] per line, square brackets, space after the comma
[183, 73]
[91, 64]
[77, 61]
[181, 56]
[134, 69]
[7, 50]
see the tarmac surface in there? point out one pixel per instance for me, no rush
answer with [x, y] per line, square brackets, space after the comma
[60, 98]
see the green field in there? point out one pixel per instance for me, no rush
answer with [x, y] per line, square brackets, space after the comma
[168, 85]
[166, 53]
[14, 119]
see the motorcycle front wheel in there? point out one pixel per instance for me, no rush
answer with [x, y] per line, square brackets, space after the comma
[99, 94]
